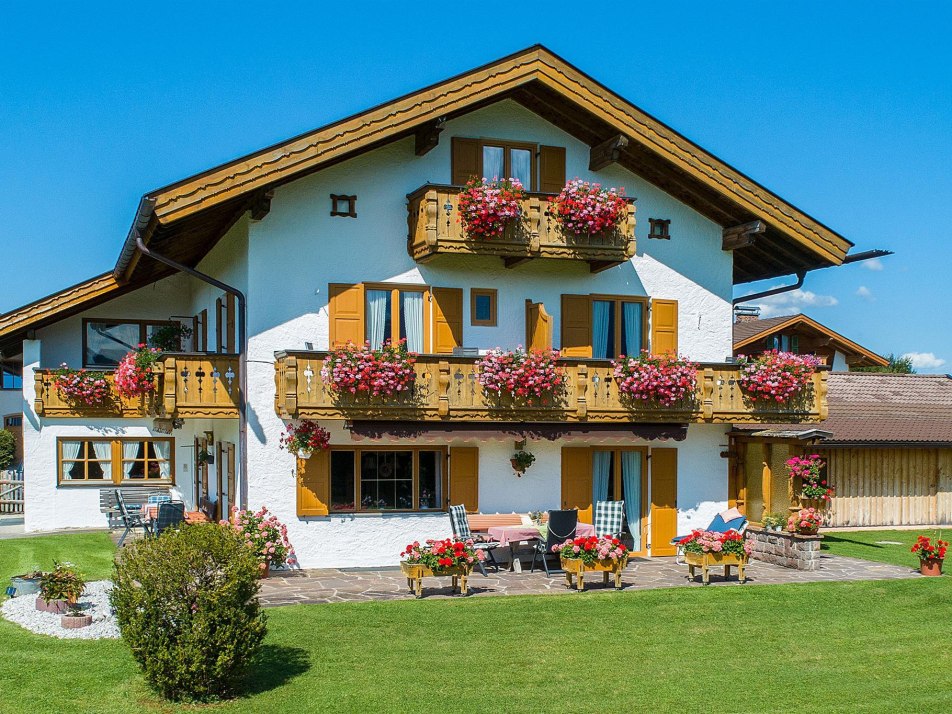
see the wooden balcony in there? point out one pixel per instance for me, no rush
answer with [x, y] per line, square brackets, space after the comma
[435, 229]
[187, 386]
[446, 389]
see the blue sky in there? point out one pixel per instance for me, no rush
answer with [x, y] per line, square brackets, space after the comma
[844, 109]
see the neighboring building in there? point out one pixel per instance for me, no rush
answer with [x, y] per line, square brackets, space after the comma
[328, 235]
[11, 401]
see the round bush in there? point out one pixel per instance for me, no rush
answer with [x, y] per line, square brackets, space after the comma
[187, 606]
[8, 446]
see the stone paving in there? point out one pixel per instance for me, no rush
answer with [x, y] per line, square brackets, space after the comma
[328, 585]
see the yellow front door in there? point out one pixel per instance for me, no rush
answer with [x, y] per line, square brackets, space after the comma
[664, 500]
[577, 481]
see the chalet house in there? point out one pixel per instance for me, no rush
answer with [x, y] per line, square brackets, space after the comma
[350, 233]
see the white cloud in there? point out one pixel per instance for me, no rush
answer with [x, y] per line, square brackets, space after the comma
[924, 360]
[865, 293]
[874, 264]
[793, 302]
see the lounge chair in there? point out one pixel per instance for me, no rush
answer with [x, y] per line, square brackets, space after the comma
[459, 522]
[129, 519]
[729, 520]
[562, 525]
[608, 518]
[171, 514]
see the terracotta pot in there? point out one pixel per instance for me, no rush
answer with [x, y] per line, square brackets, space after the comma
[264, 573]
[807, 531]
[516, 467]
[74, 622]
[57, 607]
[931, 567]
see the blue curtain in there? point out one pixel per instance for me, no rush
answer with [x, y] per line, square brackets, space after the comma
[601, 466]
[632, 316]
[601, 313]
[631, 482]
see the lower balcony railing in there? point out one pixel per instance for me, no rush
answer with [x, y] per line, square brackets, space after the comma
[447, 388]
[186, 386]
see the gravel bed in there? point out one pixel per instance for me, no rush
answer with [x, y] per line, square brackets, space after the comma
[95, 601]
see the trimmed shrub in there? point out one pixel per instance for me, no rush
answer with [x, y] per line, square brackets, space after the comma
[8, 447]
[187, 606]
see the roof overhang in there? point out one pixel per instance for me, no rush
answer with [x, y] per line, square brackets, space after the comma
[837, 340]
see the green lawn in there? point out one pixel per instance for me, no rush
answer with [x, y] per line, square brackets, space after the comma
[814, 647]
[884, 546]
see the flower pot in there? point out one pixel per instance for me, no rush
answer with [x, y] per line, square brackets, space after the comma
[578, 568]
[74, 622]
[931, 567]
[25, 585]
[264, 573]
[517, 467]
[57, 607]
[304, 454]
[807, 531]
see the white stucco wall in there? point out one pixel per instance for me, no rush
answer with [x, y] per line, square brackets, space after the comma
[11, 402]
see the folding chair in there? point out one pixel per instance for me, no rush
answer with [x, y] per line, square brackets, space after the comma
[609, 516]
[128, 519]
[562, 526]
[171, 515]
[459, 522]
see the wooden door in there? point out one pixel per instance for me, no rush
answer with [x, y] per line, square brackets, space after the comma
[664, 500]
[577, 481]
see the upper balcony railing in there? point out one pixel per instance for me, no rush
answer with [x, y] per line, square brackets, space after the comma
[435, 229]
[186, 386]
[447, 388]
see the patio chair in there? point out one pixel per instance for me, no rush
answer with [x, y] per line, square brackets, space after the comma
[130, 519]
[562, 526]
[608, 518]
[208, 507]
[729, 520]
[171, 515]
[157, 498]
[459, 522]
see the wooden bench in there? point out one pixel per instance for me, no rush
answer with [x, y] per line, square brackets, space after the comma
[482, 522]
[132, 495]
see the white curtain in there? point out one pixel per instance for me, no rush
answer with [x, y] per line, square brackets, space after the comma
[601, 314]
[103, 451]
[631, 482]
[130, 451]
[521, 160]
[70, 453]
[493, 163]
[377, 308]
[601, 466]
[162, 449]
[412, 307]
[632, 316]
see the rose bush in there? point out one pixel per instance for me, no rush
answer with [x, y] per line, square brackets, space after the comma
[662, 379]
[486, 208]
[927, 550]
[383, 372]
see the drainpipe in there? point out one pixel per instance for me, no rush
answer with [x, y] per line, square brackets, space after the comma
[242, 355]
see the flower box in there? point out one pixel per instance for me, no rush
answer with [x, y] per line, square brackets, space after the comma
[705, 561]
[607, 566]
[415, 572]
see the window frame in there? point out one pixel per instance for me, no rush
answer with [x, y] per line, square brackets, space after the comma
[15, 369]
[507, 146]
[143, 324]
[395, 307]
[620, 300]
[116, 460]
[493, 295]
[357, 451]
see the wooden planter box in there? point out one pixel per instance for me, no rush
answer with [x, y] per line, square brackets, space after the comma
[705, 561]
[576, 567]
[415, 574]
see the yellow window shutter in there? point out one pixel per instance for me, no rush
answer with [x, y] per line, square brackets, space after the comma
[664, 500]
[314, 484]
[466, 160]
[345, 307]
[538, 327]
[576, 326]
[664, 326]
[577, 480]
[551, 169]
[447, 319]
[464, 477]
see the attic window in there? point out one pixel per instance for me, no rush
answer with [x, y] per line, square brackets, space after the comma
[659, 228]
[345, 206]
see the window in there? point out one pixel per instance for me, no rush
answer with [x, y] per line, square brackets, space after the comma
[784, 343]
[345, 206]
[659, 228]
[618, 327]
[503, 159]
[11, 375]
[105, 342]
[621, 475]
[118, 461]
[387, 479]
[397, 313]
[482, 307]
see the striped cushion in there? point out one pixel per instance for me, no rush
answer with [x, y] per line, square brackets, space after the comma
[460, 523]
[608, 517]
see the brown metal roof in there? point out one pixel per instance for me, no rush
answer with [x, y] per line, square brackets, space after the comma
[745, 330]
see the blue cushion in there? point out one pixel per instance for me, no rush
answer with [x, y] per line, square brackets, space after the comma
[718, 525]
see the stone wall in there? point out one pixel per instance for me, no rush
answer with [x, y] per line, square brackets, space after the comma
[787, 549]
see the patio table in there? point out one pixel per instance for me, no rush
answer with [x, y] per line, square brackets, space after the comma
[511, 535]
[149, 513]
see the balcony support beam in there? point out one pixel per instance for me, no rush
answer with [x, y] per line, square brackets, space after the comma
[607, 152]
[427, 137]
[741, 236]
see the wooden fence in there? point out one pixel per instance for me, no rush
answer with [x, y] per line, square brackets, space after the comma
[11, 492]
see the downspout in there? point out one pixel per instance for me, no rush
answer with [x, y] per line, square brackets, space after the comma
[242, 354]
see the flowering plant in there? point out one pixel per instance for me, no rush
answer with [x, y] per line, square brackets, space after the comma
[776, 376]
[487, 207]
[79, 386]
[808, 470]
[446, 553]
[63, 583]
[523, 375]
[306, 436]
[927, 550]
[362, 370]
[585, 208]
[806, 519]
[521, 460]
[591, 549]
[264, 534]
[134, 376]
[701, 541]
[663, 379]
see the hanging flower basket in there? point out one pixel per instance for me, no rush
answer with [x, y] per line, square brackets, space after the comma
[80, 387]
[386, 372]
[665, 380]
[585, 209]
[531, 377]
[304, 438]
[521, 461]
[777, 377]
[135, 374]
[487, 208]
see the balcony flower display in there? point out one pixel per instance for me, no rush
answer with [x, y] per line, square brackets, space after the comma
[809, 470]
[304, 438]
[806, 521]
[776, 376]
[701, 542]
[134, 375]
[265, 535]
[585, 208]
[591, 549]
[384, 372]
[662, 379]
[530, 376]
[930, 554]
[442, 554]
[81, 387]
[486, 208]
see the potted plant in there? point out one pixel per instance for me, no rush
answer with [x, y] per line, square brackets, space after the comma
[450, 556]
[169, 338]
[27, 584]
[60, 588]
[80, 387]
[706, 548]
[813, 487]
[665, 380]
[204, 457]
[806, 521]
[265, 535]
[487, 208]
[135, 373]
[585, 209]
[522, 460]
[930, 555]
[74, 618]
[774, 522]
[362, 370]
[521, 376]
[580, 555]
[303, 438]
[778, 377]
